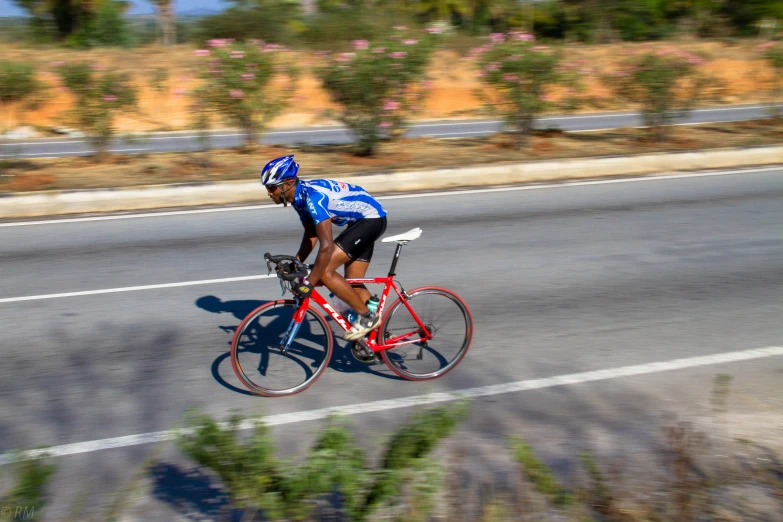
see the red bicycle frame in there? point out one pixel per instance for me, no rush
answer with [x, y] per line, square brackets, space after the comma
[422, 333]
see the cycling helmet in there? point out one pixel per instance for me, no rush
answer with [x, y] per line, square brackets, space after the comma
[279, 170]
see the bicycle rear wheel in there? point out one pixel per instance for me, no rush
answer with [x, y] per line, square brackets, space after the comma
[445, 316]
[259, 361]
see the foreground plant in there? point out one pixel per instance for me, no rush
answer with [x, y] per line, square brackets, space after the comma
[100, 94]
[380, 84]
[27, 497]
[257, 480]
[237, 84]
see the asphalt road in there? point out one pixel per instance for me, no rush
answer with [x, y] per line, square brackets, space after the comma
[561, 280]
[336, 135]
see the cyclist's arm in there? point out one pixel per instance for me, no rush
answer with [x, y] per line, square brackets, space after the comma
[308, 240]
[325, 250]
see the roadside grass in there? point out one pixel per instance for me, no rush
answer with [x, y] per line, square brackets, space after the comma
[129, 170]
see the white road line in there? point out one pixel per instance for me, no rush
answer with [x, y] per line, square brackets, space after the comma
[133, 288]
[418, 400]
[447, 193]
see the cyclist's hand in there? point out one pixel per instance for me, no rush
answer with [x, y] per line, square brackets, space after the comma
[303, 289]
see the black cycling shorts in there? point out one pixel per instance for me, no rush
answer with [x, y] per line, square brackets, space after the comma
[359, 238]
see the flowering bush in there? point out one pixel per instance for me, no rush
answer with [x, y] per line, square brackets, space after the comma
[773, 52]
[99, 95]
[236, 84]
[18, 84]
[521, 78]
[380, 84]
[664, 84]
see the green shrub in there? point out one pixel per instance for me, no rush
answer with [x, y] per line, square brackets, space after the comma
[664, 84]
[773, 52]
[236, 84]
[100, 94]
[378, 85]
[18, 84]
[275, 21]
[520, 77]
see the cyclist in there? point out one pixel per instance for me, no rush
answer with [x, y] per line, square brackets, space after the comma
[321, 203]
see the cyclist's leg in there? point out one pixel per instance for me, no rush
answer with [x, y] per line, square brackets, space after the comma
[337, 284]
[357, 270]
[358, 241]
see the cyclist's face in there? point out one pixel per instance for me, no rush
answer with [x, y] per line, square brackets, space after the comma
[276, 193]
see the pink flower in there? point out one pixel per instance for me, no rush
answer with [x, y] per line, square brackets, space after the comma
[385, 124]
[345, 57]
[58, 63]
[109, 98]
[202, 52]
[254, 41]
[492, 67]
[410, 41]
[434, 30]
[481, 74]
[248, 76]
[400, 28]
[361, 45]
[322, 53]
[251, 66]
[270, 48]
[97, 67]
[217, 42]
[390, 105]
[547, 97]
[497, 37]
[236, 93]
[765, 46]
[510, 77]
[538, 48]
[237, 54]
[525, 37]
[178, 92]
[399, 54]
[694, 60]
[379, 50]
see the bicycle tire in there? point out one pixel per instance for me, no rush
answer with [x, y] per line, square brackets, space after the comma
[267, 346]
[398, 319]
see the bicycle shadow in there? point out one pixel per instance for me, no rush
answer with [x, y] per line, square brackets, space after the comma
[342, 360]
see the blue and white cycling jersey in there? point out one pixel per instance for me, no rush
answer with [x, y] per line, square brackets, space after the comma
[321, 199]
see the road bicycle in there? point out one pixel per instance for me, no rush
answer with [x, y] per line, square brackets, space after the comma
[283, 347]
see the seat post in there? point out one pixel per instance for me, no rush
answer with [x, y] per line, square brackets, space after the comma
[394, 261]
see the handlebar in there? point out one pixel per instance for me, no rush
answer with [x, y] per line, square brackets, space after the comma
[301, 270]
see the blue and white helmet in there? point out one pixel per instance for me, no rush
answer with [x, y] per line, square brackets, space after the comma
[279, 170]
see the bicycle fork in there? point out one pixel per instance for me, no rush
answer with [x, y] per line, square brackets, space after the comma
[293, 328]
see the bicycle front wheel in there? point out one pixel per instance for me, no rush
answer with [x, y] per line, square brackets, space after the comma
[258, 358]
[445, 316]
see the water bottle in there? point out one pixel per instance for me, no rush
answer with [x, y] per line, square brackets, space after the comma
[372, 304]
[343, 308]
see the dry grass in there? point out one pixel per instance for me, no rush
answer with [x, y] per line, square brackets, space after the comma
[739, 71]
[332, 161]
